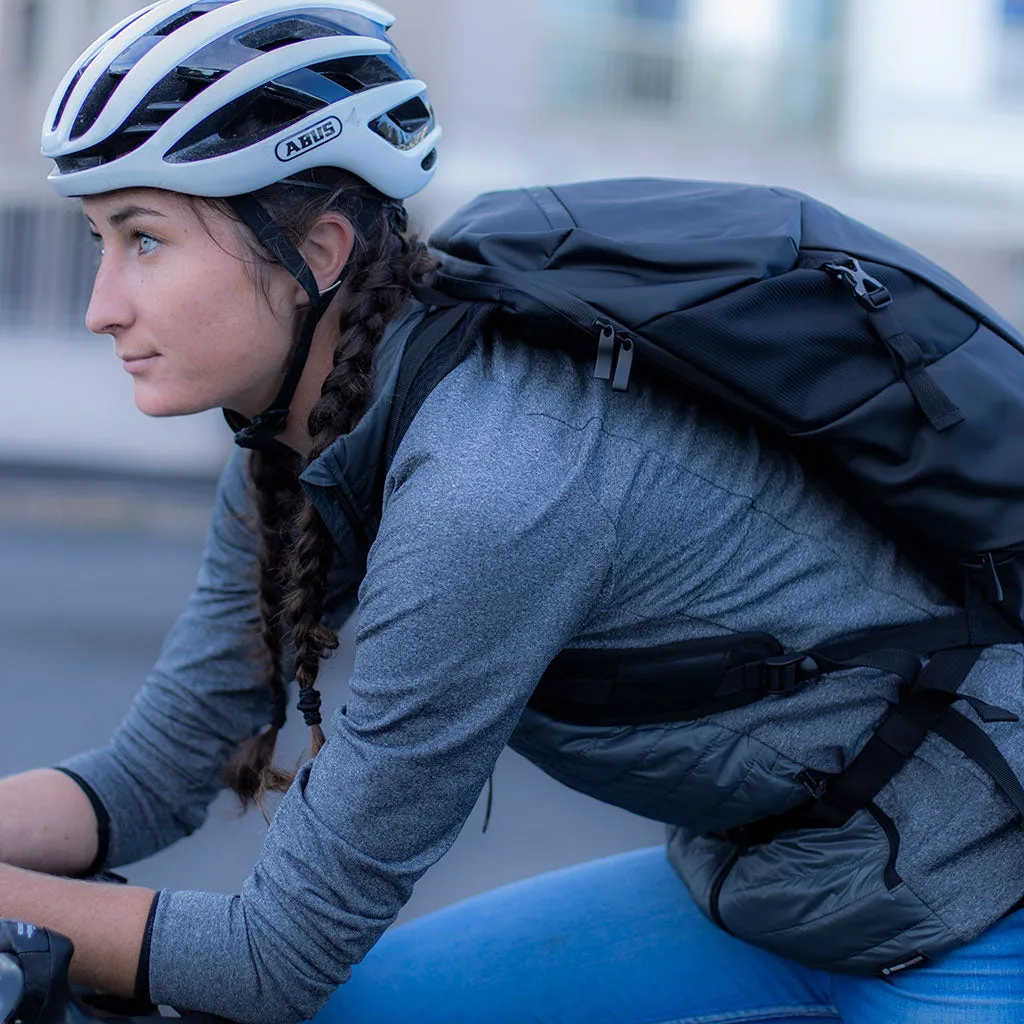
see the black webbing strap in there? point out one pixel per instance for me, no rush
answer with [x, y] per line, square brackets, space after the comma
[973, 741]
[897, 738]
[921, 707]
[262, 429]
[892, 661]
[908, 357]
[980, 627]
[685, 680]
[438, 344]
[669, 683]
[273, 239]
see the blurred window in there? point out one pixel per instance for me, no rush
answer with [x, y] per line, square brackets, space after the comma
[1010, 53]
[47, 266]
[601, 53]
[649, 57]
[1013, 11]
[650, 10]
[30, 50]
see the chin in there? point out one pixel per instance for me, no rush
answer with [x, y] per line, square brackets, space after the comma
[159, 405]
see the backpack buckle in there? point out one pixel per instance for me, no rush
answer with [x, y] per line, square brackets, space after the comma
[984, 573]
[867, 290]
[784, 674]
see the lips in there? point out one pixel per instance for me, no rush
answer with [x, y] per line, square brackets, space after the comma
[134, 362]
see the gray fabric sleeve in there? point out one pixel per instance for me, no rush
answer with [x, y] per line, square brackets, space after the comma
[478, 577]
[206, 694]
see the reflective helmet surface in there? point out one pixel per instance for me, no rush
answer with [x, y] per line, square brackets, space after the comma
[224, 97]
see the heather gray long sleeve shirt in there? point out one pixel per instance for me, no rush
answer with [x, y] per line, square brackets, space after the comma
[529, 508]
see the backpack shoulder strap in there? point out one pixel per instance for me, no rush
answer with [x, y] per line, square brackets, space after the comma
[441, 341]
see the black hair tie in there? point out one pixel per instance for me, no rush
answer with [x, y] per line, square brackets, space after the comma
[309, 705]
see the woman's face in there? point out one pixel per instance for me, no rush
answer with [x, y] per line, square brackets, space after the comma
[192, 328]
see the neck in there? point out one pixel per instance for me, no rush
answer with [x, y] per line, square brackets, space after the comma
[319, 364]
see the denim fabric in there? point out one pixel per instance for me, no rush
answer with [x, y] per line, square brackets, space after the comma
[617, 941]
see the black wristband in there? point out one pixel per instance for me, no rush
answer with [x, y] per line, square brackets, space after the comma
[102, 822]
[142, 974]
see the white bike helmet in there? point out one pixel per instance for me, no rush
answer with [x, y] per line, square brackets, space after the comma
[221, 98]
[163, 98]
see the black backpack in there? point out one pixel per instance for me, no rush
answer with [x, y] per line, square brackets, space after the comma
[881, 371]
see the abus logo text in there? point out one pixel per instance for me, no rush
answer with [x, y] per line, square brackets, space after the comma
[310, 138]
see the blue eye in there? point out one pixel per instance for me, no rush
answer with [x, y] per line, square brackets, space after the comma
[147, 243]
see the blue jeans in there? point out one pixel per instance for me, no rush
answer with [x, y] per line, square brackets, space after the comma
[619, 941]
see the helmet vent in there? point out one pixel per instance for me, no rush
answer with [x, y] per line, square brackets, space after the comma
[107, 85]
[247, 120]
[86, 64]
[184, 17]
[275, 32]
[354, 74]
[412, 116]
[407, 125]
[108, 82]
[272, 35]
[67, 96]
[95, 102]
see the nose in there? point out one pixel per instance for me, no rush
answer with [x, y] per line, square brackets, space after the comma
[110, 308]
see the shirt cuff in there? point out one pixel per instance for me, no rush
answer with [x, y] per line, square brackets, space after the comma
[142, 974]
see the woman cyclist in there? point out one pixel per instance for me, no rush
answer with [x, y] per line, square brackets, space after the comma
[243, 166]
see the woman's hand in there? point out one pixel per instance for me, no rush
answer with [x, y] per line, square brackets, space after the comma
[105, 922]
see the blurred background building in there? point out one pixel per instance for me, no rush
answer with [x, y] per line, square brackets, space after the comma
[906, 113]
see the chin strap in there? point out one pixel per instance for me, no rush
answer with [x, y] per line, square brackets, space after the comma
[262, 429]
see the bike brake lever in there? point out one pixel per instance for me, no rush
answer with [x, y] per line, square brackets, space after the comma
[12, 987]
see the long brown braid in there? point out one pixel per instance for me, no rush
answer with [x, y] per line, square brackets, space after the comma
[296, 548]
[275, 478]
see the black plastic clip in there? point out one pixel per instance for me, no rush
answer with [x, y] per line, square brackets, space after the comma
[985, 573]
[262, 430]
[867, 290]
[785, 673]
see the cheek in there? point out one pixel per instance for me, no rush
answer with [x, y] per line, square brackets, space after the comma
[224, 344]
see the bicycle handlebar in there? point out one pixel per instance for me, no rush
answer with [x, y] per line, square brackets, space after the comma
[12, 986]
[34, 985]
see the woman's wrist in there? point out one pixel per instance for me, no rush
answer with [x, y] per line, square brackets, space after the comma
[106, 923]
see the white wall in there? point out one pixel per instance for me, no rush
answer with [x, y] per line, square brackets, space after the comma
[66, 401]
[921, 100]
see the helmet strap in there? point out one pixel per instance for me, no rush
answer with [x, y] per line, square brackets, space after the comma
[262, 429]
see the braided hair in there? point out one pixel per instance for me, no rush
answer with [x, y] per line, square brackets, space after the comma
[296, 548]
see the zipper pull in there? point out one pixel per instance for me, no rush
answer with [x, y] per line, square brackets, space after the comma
[605, 351]
[625, 362]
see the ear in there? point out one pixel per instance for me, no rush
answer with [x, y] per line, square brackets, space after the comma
[328, 247]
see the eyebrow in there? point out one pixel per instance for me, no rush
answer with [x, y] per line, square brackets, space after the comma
[129, 213]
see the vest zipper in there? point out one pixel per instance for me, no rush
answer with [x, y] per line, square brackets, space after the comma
[716, 889]
[890, 875]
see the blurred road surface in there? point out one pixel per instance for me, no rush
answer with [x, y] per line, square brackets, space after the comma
[94, 574]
